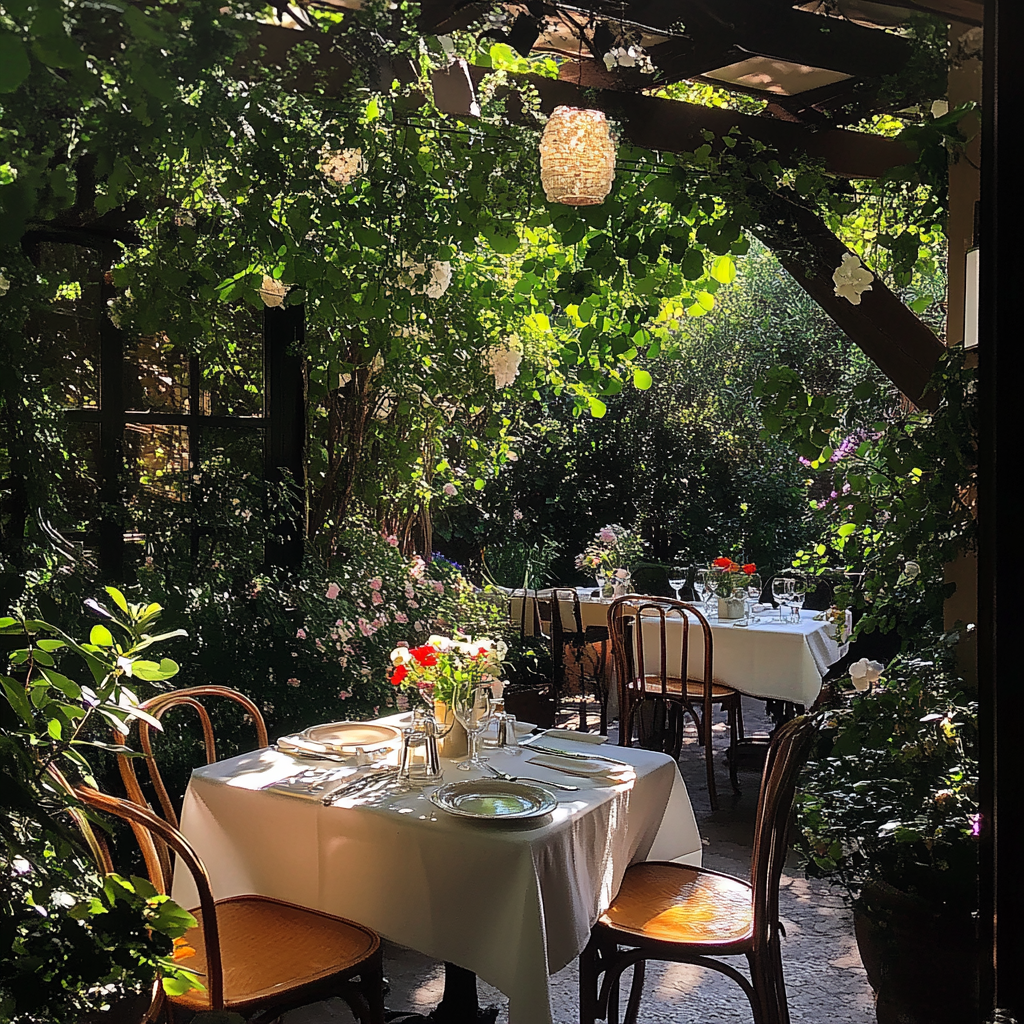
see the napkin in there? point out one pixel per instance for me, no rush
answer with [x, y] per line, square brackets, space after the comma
[598, 770]
[299, 746]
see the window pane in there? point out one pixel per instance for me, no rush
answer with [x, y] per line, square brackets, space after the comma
[67, 335]
[233, 369]
[155, 375]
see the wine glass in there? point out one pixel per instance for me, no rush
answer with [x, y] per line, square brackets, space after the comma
[473, 710]
[782, 588]
[797, 597]
[677, 583]
[751, 595]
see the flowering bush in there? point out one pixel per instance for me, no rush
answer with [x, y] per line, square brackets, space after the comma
[445, 667]
[613, 547]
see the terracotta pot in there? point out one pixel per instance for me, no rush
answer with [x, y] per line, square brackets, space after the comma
[920, 960]
[455, 742]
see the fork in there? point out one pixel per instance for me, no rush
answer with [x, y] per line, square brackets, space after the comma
[527, 778]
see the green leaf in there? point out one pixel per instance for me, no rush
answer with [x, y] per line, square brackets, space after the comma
[642, 380]
[724, 270]
[101, 636]
[502, 237]
[150, 671]
[118, 598]
[14, 62]
[18, 699]
[53, 728]
[597, 408]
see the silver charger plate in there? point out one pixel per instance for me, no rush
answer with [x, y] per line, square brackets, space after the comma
[346, 736]
[494, 800]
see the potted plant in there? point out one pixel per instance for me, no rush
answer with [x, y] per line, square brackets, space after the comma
[888, 809]
[728, 581]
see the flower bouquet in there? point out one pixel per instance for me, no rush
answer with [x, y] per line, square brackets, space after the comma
[444, 669]
[728, 580]
[610, 554]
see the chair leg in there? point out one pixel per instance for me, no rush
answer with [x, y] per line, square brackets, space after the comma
[733, 747]
[739, 717]
[636, 990]
[589, 972]
[773, 968]
[371, 984]
[759, 1001]
[709, 759]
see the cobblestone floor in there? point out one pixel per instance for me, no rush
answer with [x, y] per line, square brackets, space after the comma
[824, 977]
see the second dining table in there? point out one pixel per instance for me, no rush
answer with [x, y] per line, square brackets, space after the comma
[512, 902]
[771, 660]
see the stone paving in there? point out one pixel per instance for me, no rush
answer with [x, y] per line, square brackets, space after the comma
[824, 977]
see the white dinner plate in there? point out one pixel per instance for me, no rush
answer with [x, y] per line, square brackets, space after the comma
[346, 736]
[494, 800]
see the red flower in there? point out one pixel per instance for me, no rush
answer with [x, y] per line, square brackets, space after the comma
[399, 675]
[734, 566]
[750, 568]
[722, 563]
[425, 655]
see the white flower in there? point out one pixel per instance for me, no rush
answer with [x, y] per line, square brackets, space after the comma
[439, 643]
[451, 490]
[621, 574]
[512, 456]
[272, 292]
[401, 656]
[629, 57]
[911, 570]
[5, 285]
[431, 279]
[503, 363]
[863, 673]
[341, 166]
[852, 279]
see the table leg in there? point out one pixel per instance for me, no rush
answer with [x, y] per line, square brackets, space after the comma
[459, 1004]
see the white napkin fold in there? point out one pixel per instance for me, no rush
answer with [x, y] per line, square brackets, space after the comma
[597, 770]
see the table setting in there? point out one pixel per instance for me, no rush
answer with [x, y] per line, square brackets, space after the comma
[498, 860]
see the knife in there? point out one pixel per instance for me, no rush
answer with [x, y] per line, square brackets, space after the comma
[576, 756]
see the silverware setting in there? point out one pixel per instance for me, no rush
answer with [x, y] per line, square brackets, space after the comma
[578, 757]
[373, 780]
[311, 755]
[527, 778]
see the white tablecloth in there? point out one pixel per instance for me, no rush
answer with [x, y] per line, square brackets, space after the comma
[513, 904]
[772, 660]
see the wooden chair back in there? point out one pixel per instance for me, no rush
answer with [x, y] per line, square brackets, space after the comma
[652, 674]
[529, 613]
[157, 707]
[150, 830]
[787, 752]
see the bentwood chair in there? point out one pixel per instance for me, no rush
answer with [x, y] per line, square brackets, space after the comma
[668, 911]
[572, 639]
[254, 955]
[156, 707]
[650, 639]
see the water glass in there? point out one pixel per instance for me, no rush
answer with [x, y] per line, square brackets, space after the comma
[782, 589]
[677, 585]
[797, 597]
[473, 710]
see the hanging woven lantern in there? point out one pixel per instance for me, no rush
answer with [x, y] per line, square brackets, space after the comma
[577, 157]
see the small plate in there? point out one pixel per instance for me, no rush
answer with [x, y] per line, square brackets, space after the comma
[349, 735]
[494, 800]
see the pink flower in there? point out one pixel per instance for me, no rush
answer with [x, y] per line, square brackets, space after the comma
[301, 634]
[376, 583]
[517, 515]
[419, 626]
[344, 694]
[333, 590]
[365, 628]
[402, 701]
[401, 618]
[409, 591]
[293, 681]
[392, 540]
[414, 604]
[607, 535]
[438, 586]
[376, 598]
[451, 490]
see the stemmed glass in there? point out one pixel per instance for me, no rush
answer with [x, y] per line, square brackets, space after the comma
[677, 585]
[602, 580]
[751, 595]
[797, 597]
[473, 710]
[700, 587]
[782, 590]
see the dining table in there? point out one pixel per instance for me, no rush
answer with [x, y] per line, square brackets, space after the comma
[511, 901]
[771, 659]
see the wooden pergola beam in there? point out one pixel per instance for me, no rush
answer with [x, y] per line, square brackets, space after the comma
[673, 126]
[903, 347]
